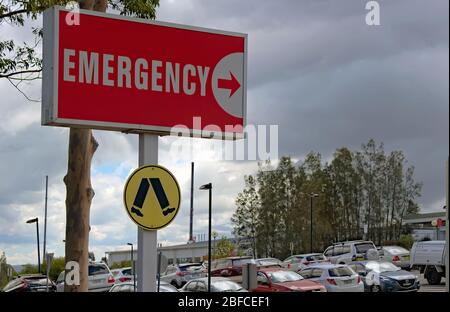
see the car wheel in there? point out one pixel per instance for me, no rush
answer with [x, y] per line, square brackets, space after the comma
[375, 288]
[174, 284]
[433, 277]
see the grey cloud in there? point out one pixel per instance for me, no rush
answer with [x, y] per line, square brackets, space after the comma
[315, 69]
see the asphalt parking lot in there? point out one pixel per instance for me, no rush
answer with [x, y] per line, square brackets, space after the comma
[430, 288]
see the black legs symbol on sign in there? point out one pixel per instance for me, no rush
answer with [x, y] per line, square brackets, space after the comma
[160, 195]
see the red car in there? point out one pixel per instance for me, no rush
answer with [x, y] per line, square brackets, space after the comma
[277, 279]
[231, 266]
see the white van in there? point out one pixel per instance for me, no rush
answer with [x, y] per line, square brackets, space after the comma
[429, 257]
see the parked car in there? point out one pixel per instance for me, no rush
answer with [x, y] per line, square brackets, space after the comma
[395, 254]
[429, 257]
[123, 274]
[284, 280]
[298, 262]
[335, 277]
[269, 262]
[385, 276]
[346, 252]
[100, 278]
[179, 274]
[231, 266]
[218, 284]
[30, 283]
[129, 287]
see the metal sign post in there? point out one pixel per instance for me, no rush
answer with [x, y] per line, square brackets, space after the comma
[159, 270]
[147, 240]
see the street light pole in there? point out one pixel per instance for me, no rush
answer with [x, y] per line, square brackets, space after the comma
[209, 187]
[132, 266]
[36, 220]
[311, 196]
[45, 218]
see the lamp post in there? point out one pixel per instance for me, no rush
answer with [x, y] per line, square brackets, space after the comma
[311, 196]
[209, 187]
[132, 266]
[36, 220]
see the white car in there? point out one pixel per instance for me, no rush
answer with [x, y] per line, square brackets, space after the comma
[299, 262]
[100, 278]
[129, 287]
[123, 274]
[346, 252]
[395, 254]
[335, 277]
[218, 284]
[179, 274]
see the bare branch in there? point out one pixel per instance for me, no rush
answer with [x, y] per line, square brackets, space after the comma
[23, 93]
[20, 72]
[26, 79]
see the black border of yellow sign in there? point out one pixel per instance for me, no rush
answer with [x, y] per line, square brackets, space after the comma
[125, 200]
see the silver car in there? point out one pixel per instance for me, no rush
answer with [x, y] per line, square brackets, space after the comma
[100, 278]
[395, 254]
[179, 274]
[335, 277]
[218, 284]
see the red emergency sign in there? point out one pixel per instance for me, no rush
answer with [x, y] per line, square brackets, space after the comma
[119, 73]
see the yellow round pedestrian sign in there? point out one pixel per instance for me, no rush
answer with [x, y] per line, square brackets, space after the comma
[152, 197]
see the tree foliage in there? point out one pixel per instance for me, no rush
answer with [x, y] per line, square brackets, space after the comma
[224, 248]
[56, 267]
[356, 189]
[3, 271]
[121, 264]
[22, 61]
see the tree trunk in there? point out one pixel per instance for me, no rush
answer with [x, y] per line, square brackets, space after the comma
[82, 146]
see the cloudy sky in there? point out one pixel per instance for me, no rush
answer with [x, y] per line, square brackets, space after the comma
[315, 69]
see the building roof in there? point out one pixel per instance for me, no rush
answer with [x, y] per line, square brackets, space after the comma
[423, 217]
[201, 244]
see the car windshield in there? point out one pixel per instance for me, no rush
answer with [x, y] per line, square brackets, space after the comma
[395, 250]
[191, 267]
[340, 271]
[380, 267]
[220, 286]
[284, 276]
[269, 261]
[97, 269]
[318, 257]
[363, 247]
